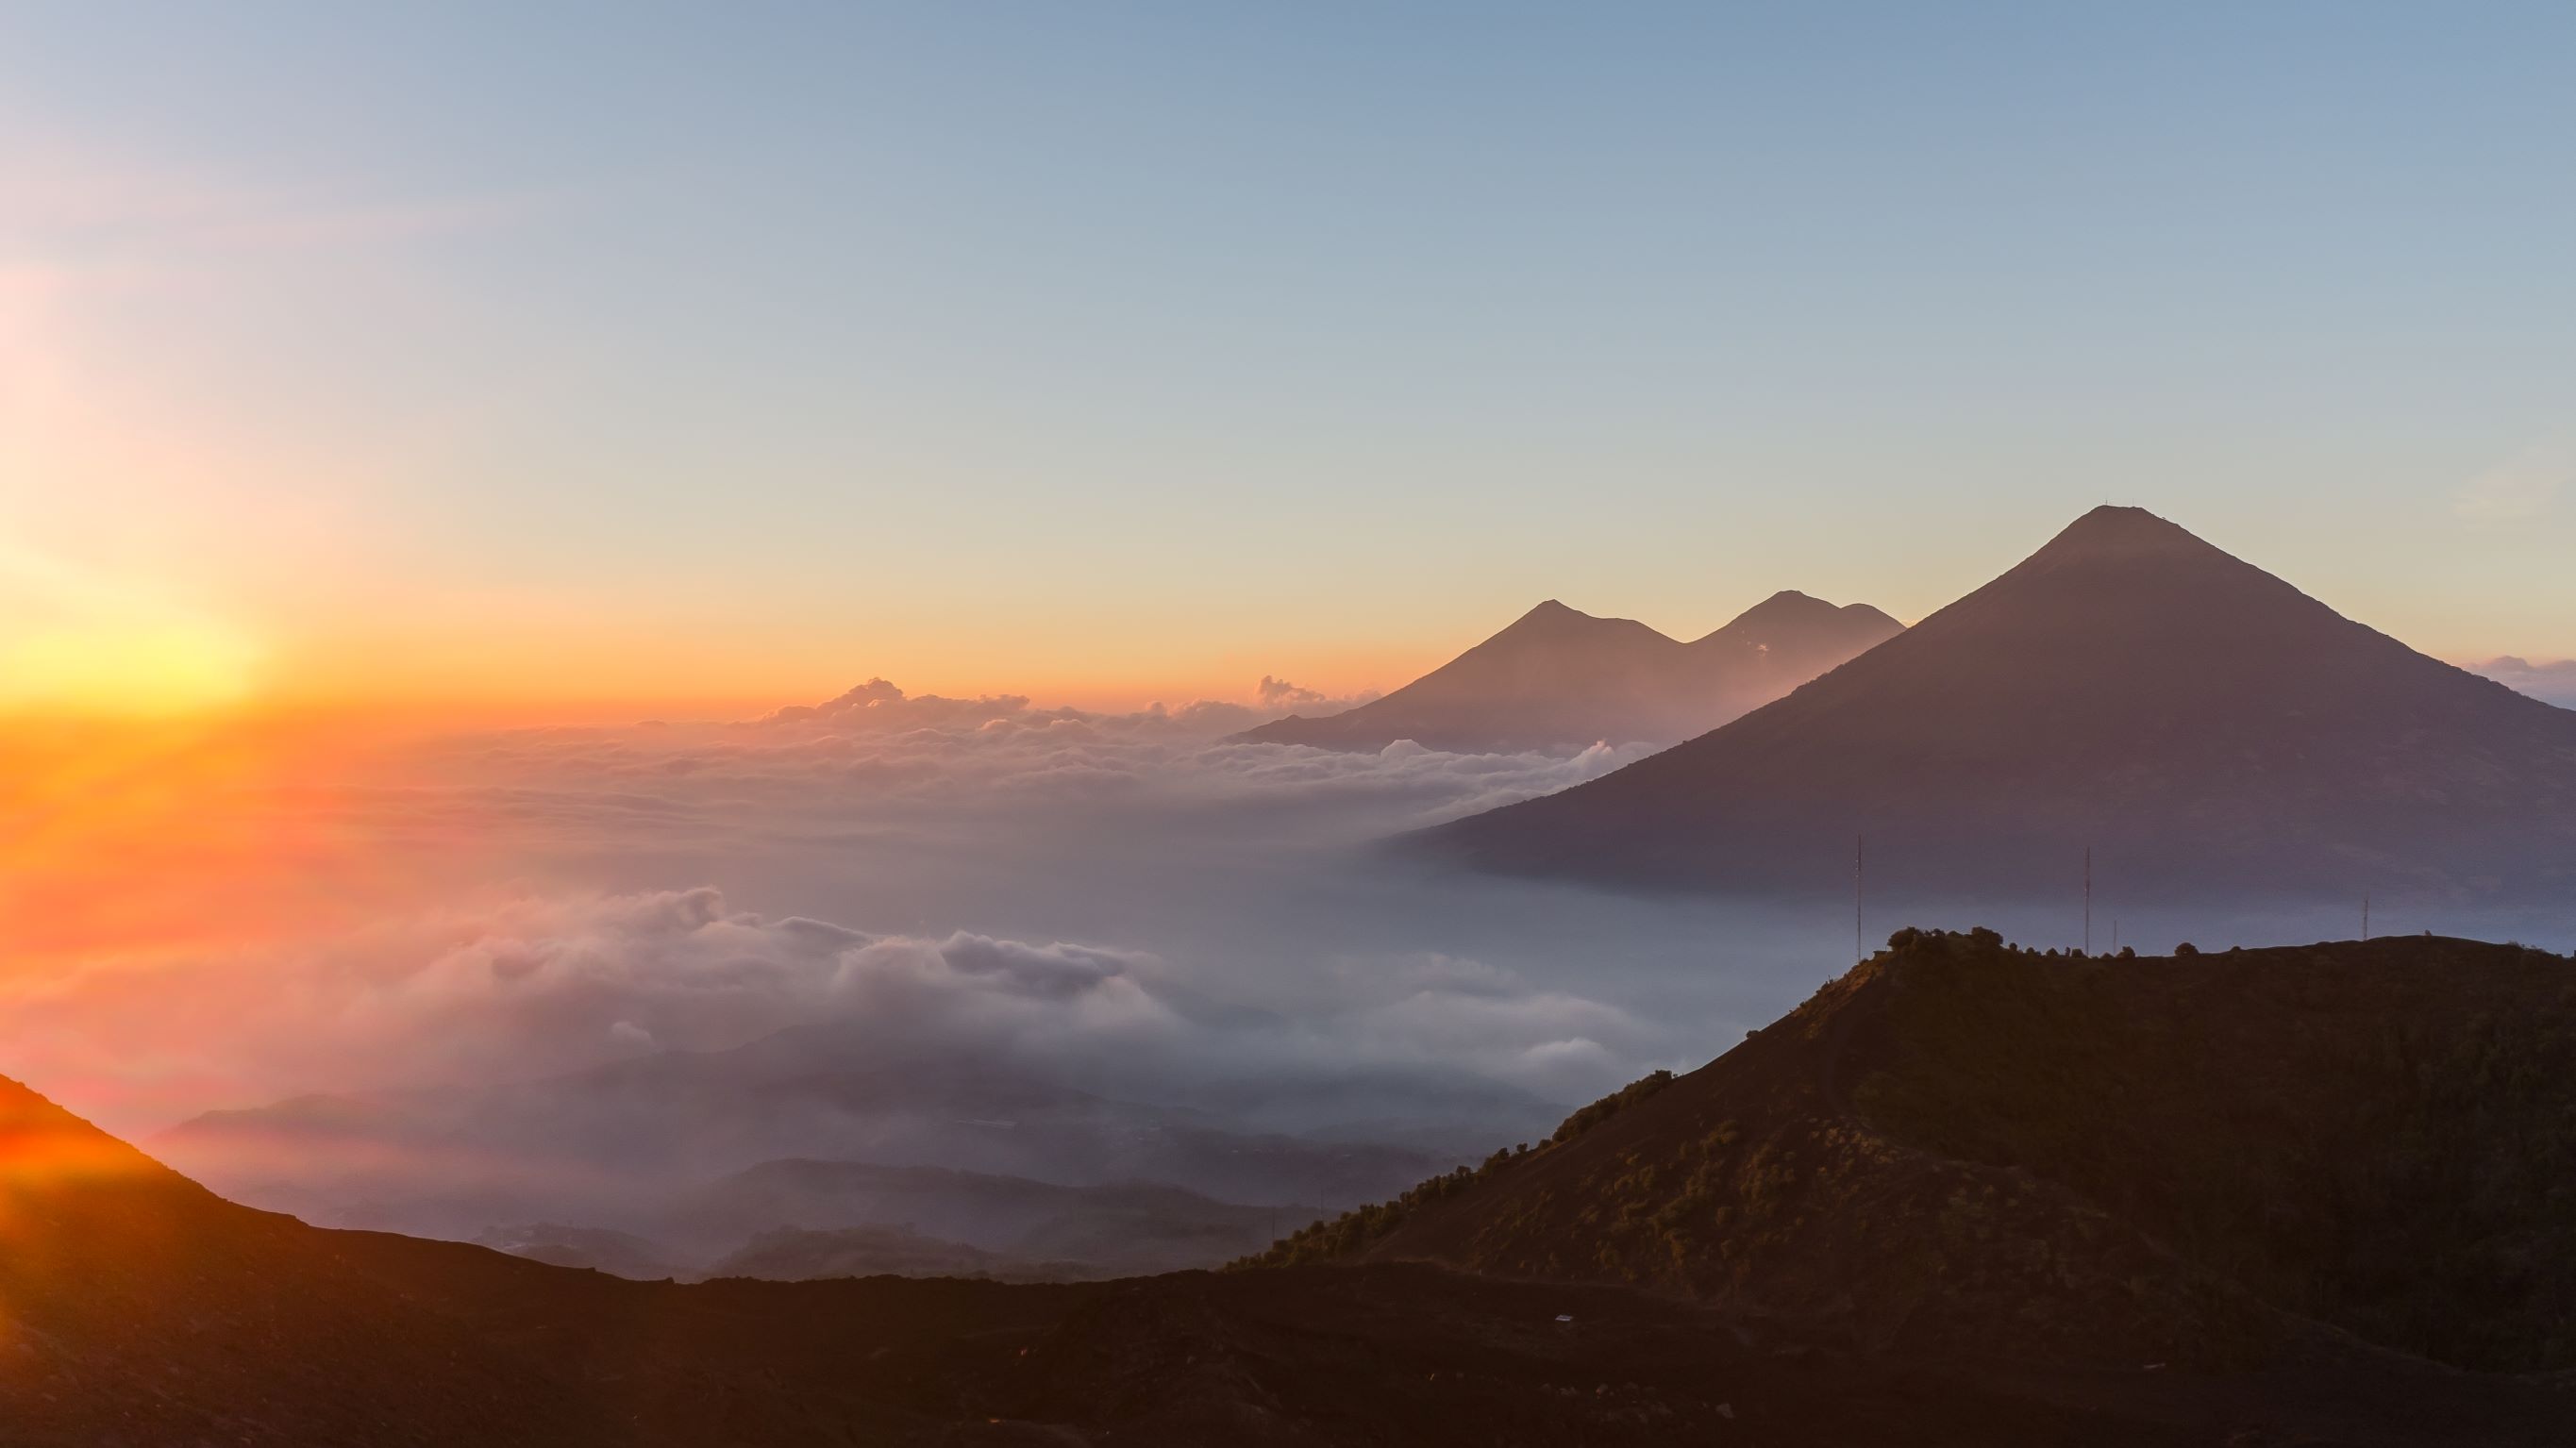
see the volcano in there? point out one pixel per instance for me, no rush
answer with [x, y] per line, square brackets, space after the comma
[2198, 724]
[1559, 678]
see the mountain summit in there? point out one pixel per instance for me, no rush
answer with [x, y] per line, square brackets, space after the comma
[2201, 724]
[1790, 614]
[1559, 678]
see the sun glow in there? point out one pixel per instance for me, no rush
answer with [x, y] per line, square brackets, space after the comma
[178, 666]
[78, 642]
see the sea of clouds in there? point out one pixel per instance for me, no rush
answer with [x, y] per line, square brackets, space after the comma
[1131, 902]
[1137, 906]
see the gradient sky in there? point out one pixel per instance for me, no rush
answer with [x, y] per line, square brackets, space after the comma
[615, 352]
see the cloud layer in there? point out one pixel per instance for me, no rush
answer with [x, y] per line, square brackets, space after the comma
[875, 754]
[2553, 682]
[537, 987]
[1131, 900]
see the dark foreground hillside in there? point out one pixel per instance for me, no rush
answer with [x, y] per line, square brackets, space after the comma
[2216, 1161]
[142, 1310]
[1963, 1197]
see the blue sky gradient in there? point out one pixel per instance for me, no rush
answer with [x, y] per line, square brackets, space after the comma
[1125, 350]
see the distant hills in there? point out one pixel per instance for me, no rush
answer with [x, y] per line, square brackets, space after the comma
[595, 1249]
[794, 1254]
[796, 1219]
[2203, 726]
[1561, 679]
[688, 1155]
[1020, 1226]
[2206, 1161]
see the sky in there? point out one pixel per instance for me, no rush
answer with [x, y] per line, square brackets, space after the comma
[569, 360]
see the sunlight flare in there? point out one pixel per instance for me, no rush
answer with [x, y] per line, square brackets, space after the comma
[74, 641]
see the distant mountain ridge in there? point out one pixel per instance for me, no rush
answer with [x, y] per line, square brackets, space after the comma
[2200, 724]
[795, 1219]
[1107, 1230]
[622, 1146]
[1558, 678]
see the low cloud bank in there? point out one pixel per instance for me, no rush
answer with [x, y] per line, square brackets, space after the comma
[879, 707]
[2553, 683]
[1127, 904]
[531, 988]
[875, 755]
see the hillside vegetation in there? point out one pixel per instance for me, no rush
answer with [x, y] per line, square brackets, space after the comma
[2196, 1158]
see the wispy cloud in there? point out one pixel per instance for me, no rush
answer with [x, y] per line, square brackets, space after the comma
[74, 212]
[2521, 489]
[1281, 694]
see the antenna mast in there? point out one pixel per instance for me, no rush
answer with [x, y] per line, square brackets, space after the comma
[2365, 915]
[2088, 899]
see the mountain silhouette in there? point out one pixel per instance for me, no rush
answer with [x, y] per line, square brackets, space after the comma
[1116, 1229]
[2207, 1161]
[142, 1309]
[1559, 678]
[2200, 724]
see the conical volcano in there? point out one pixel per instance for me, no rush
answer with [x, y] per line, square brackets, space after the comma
[1559, 678]
[2198, 723]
